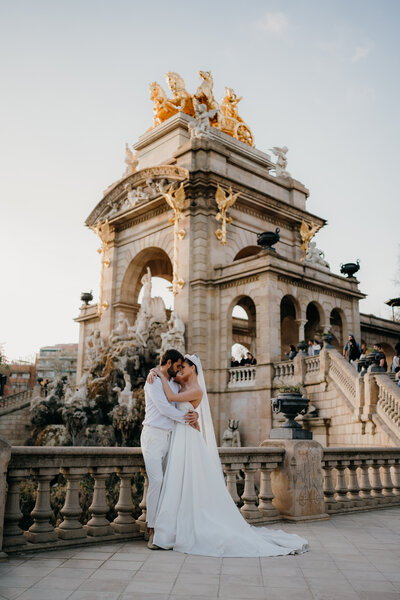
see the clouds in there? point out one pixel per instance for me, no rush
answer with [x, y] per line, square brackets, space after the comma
[274, 23]
[361, 52]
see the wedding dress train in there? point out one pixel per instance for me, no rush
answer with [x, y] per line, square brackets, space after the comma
[196, 513]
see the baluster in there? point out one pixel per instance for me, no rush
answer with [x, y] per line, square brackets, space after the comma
[365, 484]
[387, 483]
[249, 509]
[354, 489]
[99, 525]
[13, 535]
[266, 496]
[142, 520]
[329, 490]
[376, 482]
[232, 471]
[71, 528]
[341, 485]
[125, 523]
[396, 478]
[42, 530]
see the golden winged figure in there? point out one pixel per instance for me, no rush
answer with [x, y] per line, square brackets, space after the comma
[224, 202]
[307, 232]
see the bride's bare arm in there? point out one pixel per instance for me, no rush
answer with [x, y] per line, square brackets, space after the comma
[194, 396]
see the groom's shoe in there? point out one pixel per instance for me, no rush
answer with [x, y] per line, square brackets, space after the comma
[151, 545]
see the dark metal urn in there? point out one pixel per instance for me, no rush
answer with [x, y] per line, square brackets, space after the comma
[328, 339]
[350, 269]
[267, 239]
[290, 404]
[302, 347]
[86, 297]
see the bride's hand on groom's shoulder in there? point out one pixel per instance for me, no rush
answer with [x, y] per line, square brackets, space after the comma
[152, 376]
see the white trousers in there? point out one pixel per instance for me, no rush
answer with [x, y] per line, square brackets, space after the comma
[155, 444]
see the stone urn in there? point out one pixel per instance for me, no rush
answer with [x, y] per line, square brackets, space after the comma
[86, 297]
[267, 239]
[328, 339]
[290, 404]
[350, 268]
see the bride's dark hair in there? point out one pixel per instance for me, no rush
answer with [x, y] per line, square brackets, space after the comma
[191, 364]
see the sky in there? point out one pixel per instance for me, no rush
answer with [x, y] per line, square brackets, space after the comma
[320, 77]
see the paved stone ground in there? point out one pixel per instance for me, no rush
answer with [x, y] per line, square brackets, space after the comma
[351, 557]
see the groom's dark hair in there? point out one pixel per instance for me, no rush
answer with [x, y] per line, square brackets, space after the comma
[172, 355]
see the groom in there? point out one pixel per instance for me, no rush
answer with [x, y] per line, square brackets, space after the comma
[158, 425]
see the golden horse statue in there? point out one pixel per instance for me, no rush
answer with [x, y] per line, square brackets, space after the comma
[180, 96]
[163, 108]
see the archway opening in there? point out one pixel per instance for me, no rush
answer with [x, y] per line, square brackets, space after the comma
[312, 328]
[248, 251]
[132, 285]
[243, 328]
[289, 326]
[160, 287]
[336, 328]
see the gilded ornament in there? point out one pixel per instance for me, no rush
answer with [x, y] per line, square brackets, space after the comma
[224, 117]
[307, 232]
[224, 202]
[106, 234]
[176, 200]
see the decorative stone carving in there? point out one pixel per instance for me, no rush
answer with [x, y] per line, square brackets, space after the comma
[231, 435]
[315, 256]
[131, 162]
[201, 126]
[281, 161]
[175, 336]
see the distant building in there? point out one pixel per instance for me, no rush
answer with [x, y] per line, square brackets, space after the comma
[57, 361]
[21, 376]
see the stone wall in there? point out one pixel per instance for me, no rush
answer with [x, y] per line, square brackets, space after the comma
[15, 425]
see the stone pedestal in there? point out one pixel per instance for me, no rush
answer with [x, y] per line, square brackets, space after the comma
[5, 455]
[290, 433]
[298, 484]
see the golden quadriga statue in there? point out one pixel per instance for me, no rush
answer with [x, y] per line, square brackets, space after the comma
[225, 115]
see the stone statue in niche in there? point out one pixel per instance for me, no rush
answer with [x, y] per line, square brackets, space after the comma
[231, 435]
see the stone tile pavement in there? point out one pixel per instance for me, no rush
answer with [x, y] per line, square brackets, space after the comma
[352, 557]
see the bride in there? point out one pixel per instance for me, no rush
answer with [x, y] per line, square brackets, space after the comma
[196, 513]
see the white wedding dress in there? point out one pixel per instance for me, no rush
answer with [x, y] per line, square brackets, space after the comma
[196, 513]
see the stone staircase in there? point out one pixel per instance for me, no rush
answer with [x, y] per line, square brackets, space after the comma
[361, 409]
[15, 417]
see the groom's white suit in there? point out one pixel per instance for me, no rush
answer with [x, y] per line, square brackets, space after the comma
[158, 425]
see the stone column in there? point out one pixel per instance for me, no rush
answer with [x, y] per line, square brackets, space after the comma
[5, 455]
[297, 484]
[265, 497]
[13, 535]
[124, 522]
[42, 530]
[231, 472]
[71, 527]
[142, 520]
[249, 509]
[99, 524]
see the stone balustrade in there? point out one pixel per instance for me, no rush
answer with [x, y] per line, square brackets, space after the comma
[312, 364]
[283, 372]
[360, 478]
[241, 377]
[243, 468]
[15, 401]
[388, 400]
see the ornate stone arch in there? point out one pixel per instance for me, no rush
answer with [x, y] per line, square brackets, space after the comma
[238, 242]
[160, 265]
[338, 327]
[289, 322]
